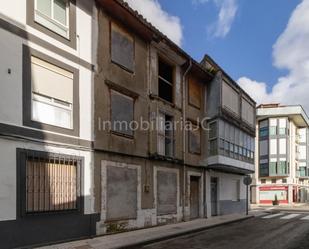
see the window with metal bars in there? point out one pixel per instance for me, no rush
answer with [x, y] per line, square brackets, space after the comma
[49, 182]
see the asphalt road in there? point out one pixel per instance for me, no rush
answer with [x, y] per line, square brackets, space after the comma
[284, 231]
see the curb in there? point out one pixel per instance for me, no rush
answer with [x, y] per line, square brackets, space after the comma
[166, 237]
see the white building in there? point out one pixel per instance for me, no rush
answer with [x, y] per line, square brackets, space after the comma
[282, 155]
[46, 78]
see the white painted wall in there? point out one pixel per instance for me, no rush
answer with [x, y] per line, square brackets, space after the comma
[15, 12]
[8, 174]
[11, 58]
[226, 183]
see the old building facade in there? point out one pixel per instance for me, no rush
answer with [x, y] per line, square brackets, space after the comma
[282, 155]
[107, 125]
[231, 149]
[170, 176]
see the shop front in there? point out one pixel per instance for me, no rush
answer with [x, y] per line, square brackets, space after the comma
[271, 193]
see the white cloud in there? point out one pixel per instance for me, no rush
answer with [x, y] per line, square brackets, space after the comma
[260, 89]
[227, 12]
[291, 52]
[168, 24]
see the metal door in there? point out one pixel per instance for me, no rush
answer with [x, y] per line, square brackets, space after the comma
[214, 196]
[194, 197]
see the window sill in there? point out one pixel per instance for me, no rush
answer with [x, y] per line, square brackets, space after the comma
[195, 153]
[51, 128]
[51, 22]
[156, 156]
[156, 97]
[130, 71]
[119, 134]
[194, 106]
[52, 213]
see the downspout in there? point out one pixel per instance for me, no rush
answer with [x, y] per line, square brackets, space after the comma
[184, 94]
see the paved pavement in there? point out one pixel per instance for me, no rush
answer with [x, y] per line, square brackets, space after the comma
[266, 231]
[127, 239]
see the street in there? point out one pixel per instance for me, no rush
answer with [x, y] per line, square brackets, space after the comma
[269, 231]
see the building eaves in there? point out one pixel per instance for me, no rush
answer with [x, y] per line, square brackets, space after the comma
[219, 68]
[158, 35]
[285, 110]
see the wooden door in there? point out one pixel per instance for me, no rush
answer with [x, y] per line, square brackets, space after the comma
[194, 197]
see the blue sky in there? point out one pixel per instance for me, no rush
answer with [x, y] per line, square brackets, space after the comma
[263, 44]
[247, 48]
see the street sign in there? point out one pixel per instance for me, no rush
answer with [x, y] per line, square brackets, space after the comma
[247, 180]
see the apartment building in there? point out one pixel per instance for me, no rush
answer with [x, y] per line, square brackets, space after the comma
[48, 56]
[282, 149]
[230, 140]
[80, 80]
[152, 176]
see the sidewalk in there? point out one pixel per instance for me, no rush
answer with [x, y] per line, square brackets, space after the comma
[149, 235]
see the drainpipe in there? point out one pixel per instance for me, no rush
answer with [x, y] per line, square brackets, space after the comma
[184, 94]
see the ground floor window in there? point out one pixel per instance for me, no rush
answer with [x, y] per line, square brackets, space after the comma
[269, 194]
[49, 182]
[166, 192]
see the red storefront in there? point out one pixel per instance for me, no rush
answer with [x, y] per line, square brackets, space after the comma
[269, 193]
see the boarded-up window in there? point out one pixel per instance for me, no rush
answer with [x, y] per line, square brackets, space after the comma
[51, 185]
[52, 94]
[195, 92]
[122, 47]
[166, 81]
[247, 111]
[194, 140]
[230, 98]
[121, 193]
[122, 113]
[166, 193]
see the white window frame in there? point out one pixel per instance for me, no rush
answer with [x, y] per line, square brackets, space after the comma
[54, 103]
[51, 19]
[162, 134]
[282, 146]
[273, 148]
